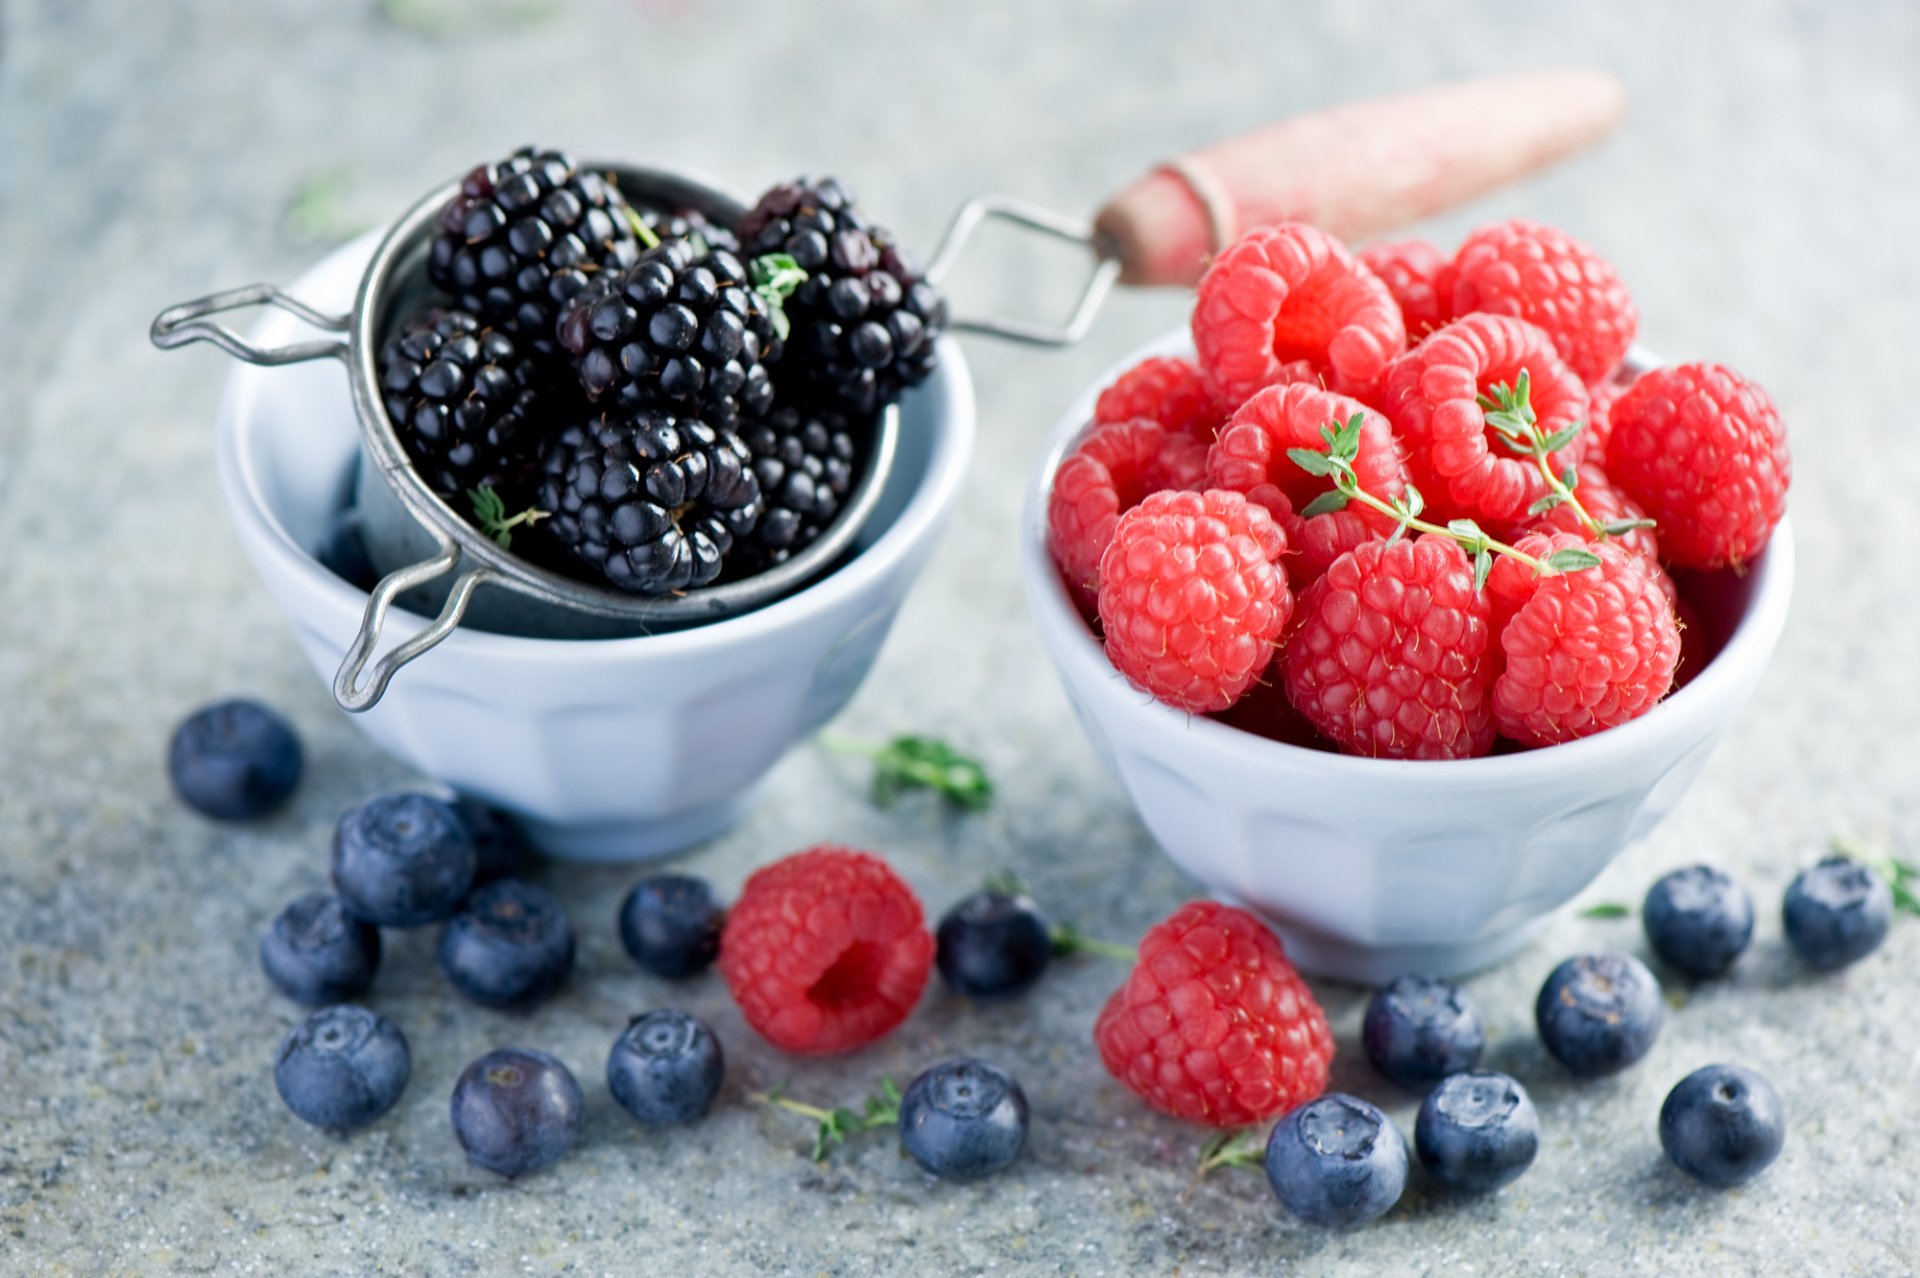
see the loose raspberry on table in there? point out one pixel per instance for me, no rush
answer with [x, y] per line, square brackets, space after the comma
[1414, 271]
[1584, 650]
[1108, 473]
[1192, 597]
[1545, 276]
[1214, 1025]
[1251, 457]
[825, 951]
[1167, 390]
[1289, 303]
[1705, 452]
[1433, 394]
[1393, 655]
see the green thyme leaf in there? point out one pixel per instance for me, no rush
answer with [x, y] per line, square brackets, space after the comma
[1325, 503]
[1572, 559]
[1606, 910]
[1313, 463]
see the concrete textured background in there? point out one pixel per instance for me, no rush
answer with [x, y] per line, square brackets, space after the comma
[1761, 201]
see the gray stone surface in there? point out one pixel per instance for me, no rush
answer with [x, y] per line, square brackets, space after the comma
[1762, 202]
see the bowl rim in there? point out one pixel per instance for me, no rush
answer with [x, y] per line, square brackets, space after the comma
[954, 422]
[1691, 711]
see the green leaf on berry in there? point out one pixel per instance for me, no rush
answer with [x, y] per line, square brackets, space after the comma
[1482, 569]
[1572, 559]
[490, 515]
[1606, 910]
[1544, 504]
[1620, 527]
[774, 277]
[1313, 463]
[1570, 478]
[1559, 440]
[1325, 504]
[911, 762]
[1346, 440]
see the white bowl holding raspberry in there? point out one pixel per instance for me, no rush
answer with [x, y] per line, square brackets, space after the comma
[1371, 867]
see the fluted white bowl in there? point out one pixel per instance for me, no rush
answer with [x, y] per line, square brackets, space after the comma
[605, 749]
[1370, 868]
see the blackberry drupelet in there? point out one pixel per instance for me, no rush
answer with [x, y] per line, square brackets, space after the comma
[651, 503]
[805, 464]
[864, 322]
[524, 235]
[462, 397]
[679, 329]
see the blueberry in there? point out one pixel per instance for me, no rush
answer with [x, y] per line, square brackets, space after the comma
[516, 1110]
[317, 953]
[1722, 1125]
[344, 554]
[342, 1067]
[511, 944]
[993, 944]
[963, 1119]
[1699, 920]
[401, 860]
[1477, 1131]
[1337, 1161]
[499, 849]
[1419, 1029]
[666, 1068]
[670, 924]
[1599, 1013]
[1837, 912]
[234, 760]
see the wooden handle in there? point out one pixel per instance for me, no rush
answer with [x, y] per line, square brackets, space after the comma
[1354, 170]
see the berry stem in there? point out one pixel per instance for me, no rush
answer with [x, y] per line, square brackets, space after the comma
[834, 1125]
[491, 514]
[1242, 1148]
[641, 231]
[1068, 940]
[910, 762]
[1336, 463]
[1509, 411]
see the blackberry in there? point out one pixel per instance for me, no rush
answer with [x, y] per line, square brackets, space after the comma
[678, 329]
[651, 503]
[864, 322]
[805, 465]
[524, 235]
[461, 396]
[688, 224]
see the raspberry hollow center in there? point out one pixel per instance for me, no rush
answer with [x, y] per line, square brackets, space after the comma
[852, 978]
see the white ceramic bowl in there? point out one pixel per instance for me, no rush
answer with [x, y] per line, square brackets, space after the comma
[1369, 868]
[606, 749]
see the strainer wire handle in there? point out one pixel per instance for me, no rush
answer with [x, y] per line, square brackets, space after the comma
[348, 690]
[188, 322]
[1046, 222]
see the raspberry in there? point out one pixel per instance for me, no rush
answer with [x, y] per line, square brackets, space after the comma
[1413, 271]
[825, 951]
[1191, 596]
[1705, 452]
[1109, 473]
[1545, 276]
[1288, 302]
[1251, 457]
[1169, 391]
[1393, 656]
[1585, 650]
[1591, 443]
[1214, 1025]
[1432, 395]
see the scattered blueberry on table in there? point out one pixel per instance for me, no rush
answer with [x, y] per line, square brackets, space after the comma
[234, 760]
[1337, 1161]
[1599, 1013]
[517, 1110]
[666, 1068]
[963, 1119]
[402, 860]
[342, 1067]
[1723, 1125]
[1477, 1131]
[316, 953]
[1699, 920]
[511, 944]
[1420, 1029]
[1837, 912]
[993, 944]
[670, 925]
